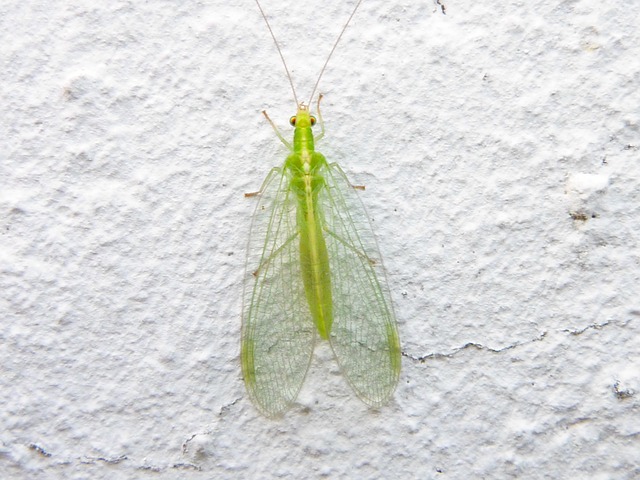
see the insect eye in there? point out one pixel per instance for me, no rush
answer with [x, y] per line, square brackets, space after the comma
[313, 121]
[292, 121]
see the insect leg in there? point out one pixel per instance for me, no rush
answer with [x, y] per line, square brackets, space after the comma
[318, 137]
[275, 129]
[272, 172]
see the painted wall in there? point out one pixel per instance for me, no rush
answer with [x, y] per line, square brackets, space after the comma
[499, 146]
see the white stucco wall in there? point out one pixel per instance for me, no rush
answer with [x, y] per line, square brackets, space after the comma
[499, 145]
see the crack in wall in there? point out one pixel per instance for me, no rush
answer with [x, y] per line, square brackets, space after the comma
[622, 393]
[542, 336]
[111, 461]
[477, 346]
[39, 449]
[596, 326]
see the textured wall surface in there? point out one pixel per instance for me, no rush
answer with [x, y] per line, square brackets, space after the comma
[499, 145]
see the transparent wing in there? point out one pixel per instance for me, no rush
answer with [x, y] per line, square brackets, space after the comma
[277, 330]
[364, 336]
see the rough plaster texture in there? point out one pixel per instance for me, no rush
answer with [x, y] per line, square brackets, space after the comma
[499, 144]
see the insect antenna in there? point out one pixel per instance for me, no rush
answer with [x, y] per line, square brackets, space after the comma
[315, 87]
[295, 97]
[333, 49]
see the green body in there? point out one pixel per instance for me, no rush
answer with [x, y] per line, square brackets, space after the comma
[313, 269]
[304, 166]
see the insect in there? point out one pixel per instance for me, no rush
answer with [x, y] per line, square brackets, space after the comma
[314, 270]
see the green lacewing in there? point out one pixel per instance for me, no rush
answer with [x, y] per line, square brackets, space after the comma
[314, 272]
